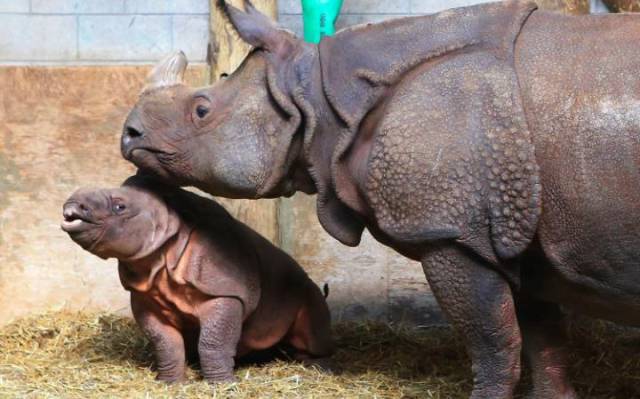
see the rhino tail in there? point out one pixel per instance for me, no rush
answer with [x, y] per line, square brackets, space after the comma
[325, 290]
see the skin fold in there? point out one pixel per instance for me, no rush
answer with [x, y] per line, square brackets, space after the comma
[497, 144]
[201, 282]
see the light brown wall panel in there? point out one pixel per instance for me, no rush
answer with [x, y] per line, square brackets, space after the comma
[59, 130]
[366, 282]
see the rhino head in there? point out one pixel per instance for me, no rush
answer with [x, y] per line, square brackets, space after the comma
[236, 138]
[365, 119]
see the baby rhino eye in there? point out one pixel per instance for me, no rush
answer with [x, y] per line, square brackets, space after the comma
[119, 208]
[202, 111]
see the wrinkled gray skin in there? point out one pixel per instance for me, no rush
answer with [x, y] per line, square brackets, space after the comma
[497, 144]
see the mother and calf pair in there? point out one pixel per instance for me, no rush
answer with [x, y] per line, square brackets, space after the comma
[497, 144]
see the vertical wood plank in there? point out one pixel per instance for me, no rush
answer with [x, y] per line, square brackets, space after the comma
[226, 52]
[226, 49]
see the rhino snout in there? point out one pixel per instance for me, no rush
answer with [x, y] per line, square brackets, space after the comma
[131, 136]
[77, 217]
[74, 210]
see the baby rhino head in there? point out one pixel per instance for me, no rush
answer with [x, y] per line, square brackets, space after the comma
[126, 223]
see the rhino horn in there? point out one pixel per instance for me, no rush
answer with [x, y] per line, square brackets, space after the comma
[168, 72]
[254, 27]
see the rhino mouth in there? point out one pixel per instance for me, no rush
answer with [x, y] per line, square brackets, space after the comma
[133, 152]
[158, 163]
[74, 222]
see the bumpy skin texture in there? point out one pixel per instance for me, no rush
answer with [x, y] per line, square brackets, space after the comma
[199, 280]
[497, 144]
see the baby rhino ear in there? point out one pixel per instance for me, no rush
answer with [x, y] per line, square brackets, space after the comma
[161, 222]
[256, 28]
[162, 225]
[173, 222]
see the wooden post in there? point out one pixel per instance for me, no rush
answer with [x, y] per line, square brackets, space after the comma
[226, 52]
[567, 6]
[226, 49]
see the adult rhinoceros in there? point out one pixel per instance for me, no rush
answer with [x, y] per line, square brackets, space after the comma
[497, 144]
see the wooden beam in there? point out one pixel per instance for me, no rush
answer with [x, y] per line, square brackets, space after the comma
[226, 52]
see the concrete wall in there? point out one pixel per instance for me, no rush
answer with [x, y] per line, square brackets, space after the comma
[363, 11]
[141, 31]
[59, 130]
[101, 31]
[366, 282]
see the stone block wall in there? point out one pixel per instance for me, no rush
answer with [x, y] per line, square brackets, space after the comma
[141, 31]
[101, 31]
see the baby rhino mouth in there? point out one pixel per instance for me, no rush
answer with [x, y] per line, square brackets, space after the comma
[76, 219]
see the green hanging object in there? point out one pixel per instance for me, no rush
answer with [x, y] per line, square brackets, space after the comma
[319, 18]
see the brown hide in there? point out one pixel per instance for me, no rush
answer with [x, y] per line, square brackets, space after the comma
[208, 236]
[465, 56]
[585, 116]
[189, 263]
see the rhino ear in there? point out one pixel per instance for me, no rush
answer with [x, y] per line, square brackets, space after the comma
[168, 72]
[254, 27]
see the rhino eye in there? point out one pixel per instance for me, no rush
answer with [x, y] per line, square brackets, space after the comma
[202, 111]
[119, 208]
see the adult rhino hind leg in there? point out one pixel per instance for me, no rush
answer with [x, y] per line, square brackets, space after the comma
[544, 339]
[479, 304]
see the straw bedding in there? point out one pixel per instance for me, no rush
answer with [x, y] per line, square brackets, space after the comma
[79, 355]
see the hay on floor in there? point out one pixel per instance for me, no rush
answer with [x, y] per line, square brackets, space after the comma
[75, 355]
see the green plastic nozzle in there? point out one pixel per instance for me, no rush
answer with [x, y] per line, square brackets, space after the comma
[319, 18]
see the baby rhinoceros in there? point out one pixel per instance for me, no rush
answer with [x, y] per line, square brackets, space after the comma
[201, 282]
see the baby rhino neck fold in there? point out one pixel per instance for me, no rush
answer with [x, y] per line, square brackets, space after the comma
[141, 274]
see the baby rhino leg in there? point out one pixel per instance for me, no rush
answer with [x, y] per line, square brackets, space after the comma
[167, 341]
[220, 331]
[310, 333]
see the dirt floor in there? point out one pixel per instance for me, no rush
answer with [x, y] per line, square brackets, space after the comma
[73, 355]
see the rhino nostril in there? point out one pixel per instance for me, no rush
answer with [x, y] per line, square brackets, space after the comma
[74, 211]
[67, 213]
[133, 132]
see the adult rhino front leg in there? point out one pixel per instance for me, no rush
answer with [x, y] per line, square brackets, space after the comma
[479, 303]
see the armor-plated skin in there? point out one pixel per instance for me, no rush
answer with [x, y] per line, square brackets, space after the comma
[497, 144]
[588, 148]
[201, 282]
